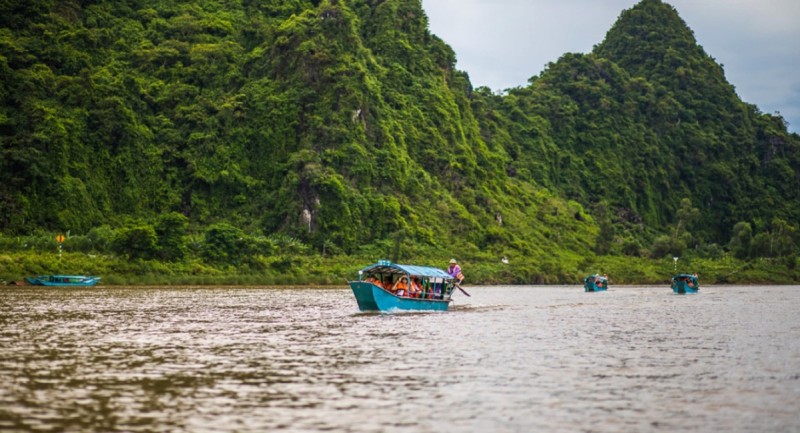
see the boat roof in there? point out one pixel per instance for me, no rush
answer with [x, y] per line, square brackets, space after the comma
[395, 268]
[684, 276]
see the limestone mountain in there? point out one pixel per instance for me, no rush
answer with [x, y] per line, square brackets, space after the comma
[642, 124]
[345, 124]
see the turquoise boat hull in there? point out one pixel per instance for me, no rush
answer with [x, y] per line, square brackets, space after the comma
[591, 284]
[63, 280]
[685, 283]
[373, 298]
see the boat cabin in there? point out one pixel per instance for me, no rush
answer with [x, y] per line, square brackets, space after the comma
[409, 281]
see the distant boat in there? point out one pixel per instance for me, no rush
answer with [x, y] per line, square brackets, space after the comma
[595, 283]
[63, 280]
[386, 286]
[685, 283]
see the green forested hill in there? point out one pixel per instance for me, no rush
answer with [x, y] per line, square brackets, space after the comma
[342, 127]
[646, 132]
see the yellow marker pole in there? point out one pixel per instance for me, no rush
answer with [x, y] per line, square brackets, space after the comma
[60, 239]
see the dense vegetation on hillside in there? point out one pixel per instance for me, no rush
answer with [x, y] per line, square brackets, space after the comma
[645, 126]
[238, 133]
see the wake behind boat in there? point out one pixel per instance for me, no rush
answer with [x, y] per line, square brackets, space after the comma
[63, 280]
[386, 287]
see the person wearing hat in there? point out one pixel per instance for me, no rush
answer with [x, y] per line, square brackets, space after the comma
[455, 271]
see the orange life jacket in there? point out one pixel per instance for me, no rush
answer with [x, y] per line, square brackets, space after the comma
[401, 286]
[415, 289]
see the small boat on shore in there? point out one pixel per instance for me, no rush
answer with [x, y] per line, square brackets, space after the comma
[595, 283]
[387, 286]
[63, 280]
[685, 283]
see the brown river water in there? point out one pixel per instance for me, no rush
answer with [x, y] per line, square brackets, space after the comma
[506, 359]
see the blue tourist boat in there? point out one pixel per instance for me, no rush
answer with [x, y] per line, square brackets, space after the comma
[387, 286]
[595, 283]
[63, 280]
[685, 283]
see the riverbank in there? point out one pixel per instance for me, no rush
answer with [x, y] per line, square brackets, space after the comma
[288, 270]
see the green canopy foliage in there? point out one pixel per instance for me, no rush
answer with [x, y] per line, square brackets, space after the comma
[344, 124]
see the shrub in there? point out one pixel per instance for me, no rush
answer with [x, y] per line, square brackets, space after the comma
[667, 245]
[101, 238]
[137, 242]
[172, 239]
[224, 243]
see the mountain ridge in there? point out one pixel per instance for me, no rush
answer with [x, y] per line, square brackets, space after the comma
[346, 125]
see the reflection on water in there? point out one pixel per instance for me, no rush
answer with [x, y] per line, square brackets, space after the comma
[508, 359]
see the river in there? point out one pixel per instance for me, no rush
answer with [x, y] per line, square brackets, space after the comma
[506, 359]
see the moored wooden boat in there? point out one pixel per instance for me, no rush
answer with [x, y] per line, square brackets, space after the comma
[63, 280]
[685, 283]
[387, 286]
[595, 283]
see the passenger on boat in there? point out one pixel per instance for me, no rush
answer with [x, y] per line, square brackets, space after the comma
[374, 280]
[401, 286]
[455, 271]
[415, 290]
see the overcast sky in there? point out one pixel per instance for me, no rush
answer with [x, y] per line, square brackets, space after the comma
[502, 43]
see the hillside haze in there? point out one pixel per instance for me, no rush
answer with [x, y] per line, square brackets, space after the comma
[345, 124]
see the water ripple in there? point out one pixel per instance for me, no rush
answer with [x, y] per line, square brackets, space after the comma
[508, 359]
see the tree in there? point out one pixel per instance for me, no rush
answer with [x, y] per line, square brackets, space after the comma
[686, 216]
[777, 241]
[136, 242]
[741, 240]
[224, 244]
[171, 232]
[667, 246]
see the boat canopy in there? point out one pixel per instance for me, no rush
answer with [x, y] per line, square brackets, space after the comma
[686, 277]
[389, 268]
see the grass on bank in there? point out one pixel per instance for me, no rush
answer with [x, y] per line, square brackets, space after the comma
[480, 269]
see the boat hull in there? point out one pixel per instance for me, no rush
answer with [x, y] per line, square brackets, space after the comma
[592, 287]
[681, 288]
[595, 283]
[685, 283]
[62, 280]
[373, 298]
